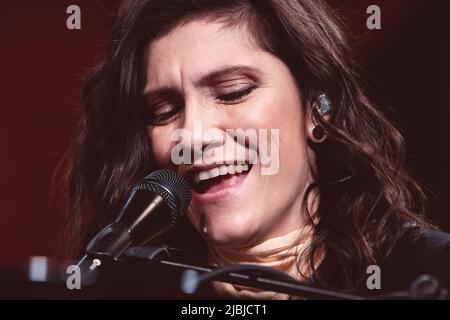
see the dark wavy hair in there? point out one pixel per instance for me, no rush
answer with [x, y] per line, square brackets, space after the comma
[367, 199]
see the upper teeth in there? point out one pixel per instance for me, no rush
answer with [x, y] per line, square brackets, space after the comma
[220, 171]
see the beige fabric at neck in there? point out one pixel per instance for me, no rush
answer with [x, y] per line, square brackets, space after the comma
[280, 253]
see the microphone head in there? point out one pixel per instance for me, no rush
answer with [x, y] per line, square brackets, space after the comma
[173, 188]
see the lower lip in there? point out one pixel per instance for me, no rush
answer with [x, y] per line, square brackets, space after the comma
[220, 192]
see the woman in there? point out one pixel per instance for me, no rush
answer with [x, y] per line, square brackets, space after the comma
[340, 199]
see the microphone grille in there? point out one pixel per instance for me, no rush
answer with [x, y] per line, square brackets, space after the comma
[172, 187]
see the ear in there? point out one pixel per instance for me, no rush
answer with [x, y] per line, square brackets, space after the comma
[315, 130]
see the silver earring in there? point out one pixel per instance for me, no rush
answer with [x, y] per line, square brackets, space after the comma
[324, 106]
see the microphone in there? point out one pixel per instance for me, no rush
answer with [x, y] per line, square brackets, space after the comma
[154, 205]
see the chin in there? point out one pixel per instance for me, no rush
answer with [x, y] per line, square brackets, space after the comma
[226, 234]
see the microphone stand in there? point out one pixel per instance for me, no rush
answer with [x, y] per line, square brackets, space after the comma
[263, 278]
[424, 287]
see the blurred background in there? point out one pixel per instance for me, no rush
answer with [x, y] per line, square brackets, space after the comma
[42, 65]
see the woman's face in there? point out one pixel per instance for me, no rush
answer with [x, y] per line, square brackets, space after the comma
[209, 80]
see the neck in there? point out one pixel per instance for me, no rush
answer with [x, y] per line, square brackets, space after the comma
[280, 253]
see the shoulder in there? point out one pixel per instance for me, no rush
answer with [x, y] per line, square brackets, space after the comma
[426, 246]
[418, 252]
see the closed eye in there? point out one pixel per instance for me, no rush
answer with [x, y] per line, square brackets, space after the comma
[235, 96]
[166, 114]
[164, 110]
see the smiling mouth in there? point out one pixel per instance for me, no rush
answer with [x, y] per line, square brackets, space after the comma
[219, 178]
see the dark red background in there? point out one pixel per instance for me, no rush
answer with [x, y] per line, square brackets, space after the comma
[42, 65]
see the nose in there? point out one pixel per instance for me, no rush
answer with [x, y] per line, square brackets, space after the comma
[206, 126]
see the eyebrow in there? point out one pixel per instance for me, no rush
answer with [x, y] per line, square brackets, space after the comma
[212, 78]
[222, 72]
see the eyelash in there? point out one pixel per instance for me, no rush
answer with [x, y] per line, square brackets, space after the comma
[163, 118]
[236, 96]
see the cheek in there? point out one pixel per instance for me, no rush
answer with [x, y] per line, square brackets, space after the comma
[293, 142]
[277, 108]
[160, 146]
[291, 119]
[284, 111]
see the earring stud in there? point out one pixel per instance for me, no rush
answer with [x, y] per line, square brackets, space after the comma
[324, 106]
